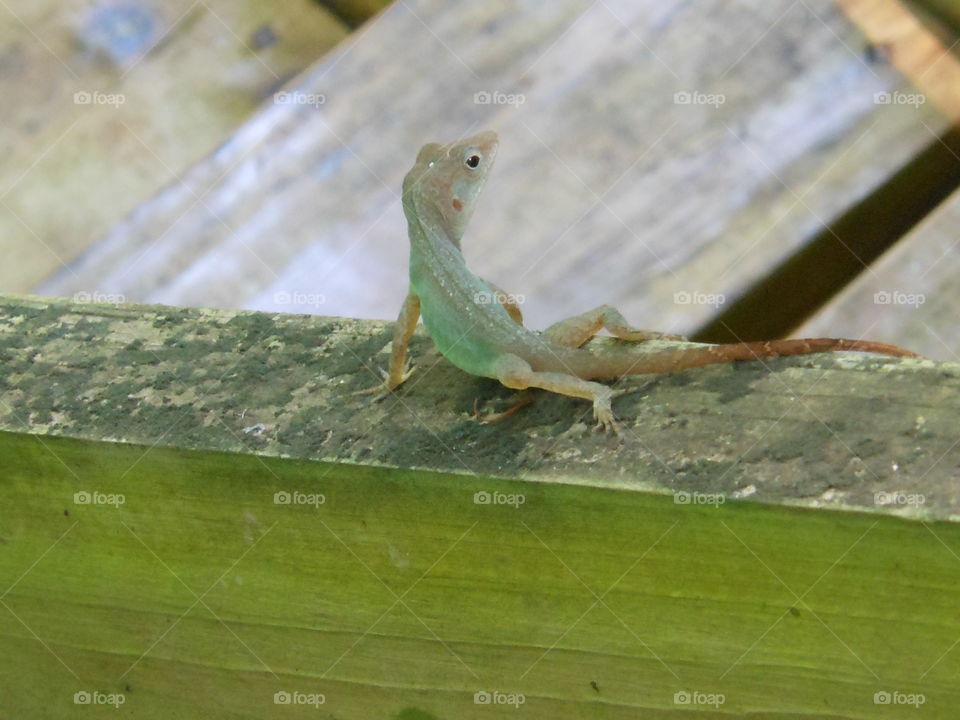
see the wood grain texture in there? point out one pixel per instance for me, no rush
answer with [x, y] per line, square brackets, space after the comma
[281, 385]
[607, 189]
[911, 293]
[277, 534]
[912, 48]
[105, 102]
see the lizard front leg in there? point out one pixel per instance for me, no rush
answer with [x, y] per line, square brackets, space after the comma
[402, 332]
[516, 373]
[575, 331]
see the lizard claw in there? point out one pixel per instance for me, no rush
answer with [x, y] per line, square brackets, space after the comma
[606, 424]
[378, 391]
[604, 413]
[407, 372]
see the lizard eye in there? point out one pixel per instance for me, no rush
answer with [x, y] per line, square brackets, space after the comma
[472, 161]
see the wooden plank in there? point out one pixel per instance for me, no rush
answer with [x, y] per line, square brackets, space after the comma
[607, 189]
[302, 397]
[946, 12]
[733, 545]
[795, 290]
[912, 48]
[106, 102]
[910, 294]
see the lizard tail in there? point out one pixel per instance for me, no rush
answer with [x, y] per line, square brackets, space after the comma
[610, 364]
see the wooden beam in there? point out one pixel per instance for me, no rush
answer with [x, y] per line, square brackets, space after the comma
[106, 103]
[914, 50]
[658, 154]
[199, 517]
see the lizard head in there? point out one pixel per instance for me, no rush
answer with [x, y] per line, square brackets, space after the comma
[446, 181]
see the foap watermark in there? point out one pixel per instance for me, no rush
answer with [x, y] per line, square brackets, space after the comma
[295, 497]
[299, 298]
[483, 497]
[95, 697]
[685, 297]
[694, 97]
[896, 297]
[685, 697]
[297, 97]
[85, 97]
[492, 297]
[86, 296]
[485, 97]
[895, 697]
[495, 697]
[899, 98]
[682, 497]
[899, 498]
[84, 497]
[295, 697]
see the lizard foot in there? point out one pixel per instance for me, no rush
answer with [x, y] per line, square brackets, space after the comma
[521, 401]
[386, 387]
[605, 421]
[604, 413]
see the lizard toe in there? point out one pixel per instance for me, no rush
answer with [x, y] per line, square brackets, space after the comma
[604, 415]
[380, 390]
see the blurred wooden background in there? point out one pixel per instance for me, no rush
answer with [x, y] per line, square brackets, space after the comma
[720, 168]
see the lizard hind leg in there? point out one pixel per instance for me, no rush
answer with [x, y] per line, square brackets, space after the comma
[516, 373]
[575, 331]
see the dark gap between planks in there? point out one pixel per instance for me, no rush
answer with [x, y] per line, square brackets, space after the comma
[805, 282]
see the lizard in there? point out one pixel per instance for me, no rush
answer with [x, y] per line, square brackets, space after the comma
[479, 328]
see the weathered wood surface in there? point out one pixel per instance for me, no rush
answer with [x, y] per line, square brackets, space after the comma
[911, 293]
[105, 102]
[607, 189]
[913, 47]
[677, 562]
[825, 430]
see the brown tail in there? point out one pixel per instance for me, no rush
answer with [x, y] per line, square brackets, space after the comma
[610, 364]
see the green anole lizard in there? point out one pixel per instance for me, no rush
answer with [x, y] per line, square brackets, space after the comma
[480, 330]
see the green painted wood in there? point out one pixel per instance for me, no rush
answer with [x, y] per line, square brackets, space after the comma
[199, 596]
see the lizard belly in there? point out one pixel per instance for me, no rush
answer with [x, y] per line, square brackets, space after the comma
[455, 334]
